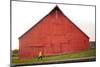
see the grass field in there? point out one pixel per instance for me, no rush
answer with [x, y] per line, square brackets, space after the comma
[87, 53]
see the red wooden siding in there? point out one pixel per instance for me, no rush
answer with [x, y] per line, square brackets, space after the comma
[54, 34]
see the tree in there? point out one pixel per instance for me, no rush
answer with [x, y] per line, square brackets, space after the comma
[15, 52]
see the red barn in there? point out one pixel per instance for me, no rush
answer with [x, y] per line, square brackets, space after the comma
[54, 34]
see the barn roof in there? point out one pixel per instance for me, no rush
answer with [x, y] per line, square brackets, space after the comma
[55, 8]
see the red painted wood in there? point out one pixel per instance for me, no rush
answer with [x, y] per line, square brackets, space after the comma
[54, 34]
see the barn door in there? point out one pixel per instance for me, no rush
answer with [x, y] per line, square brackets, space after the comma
[64, 47]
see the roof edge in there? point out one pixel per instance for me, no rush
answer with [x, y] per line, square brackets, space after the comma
[39, 21]
[46, 16]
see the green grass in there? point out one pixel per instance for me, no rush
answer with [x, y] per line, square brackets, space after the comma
[86, 53]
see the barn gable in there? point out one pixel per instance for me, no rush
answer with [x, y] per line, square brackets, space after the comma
[54, 12]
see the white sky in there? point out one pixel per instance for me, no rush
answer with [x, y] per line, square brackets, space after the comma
[25, 15]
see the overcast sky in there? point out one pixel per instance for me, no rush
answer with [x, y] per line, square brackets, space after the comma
[25, 15]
